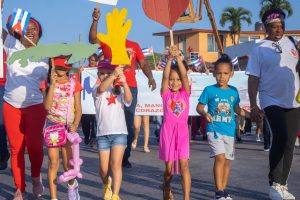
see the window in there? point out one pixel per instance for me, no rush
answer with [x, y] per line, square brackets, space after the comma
[182, 43]
[244, 39]
[211, 43]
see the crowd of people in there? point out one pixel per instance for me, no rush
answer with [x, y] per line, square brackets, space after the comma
[44, 96]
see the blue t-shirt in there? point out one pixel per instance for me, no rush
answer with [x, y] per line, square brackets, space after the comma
[220, 103]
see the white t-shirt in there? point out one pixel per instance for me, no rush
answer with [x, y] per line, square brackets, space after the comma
[278, 79]
[110, 113]
[23, 83]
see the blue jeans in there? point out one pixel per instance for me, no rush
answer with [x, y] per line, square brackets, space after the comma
[106, 142]
[3, 140]
[129, 116]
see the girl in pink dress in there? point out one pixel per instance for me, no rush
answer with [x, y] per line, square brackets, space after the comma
[174, 134]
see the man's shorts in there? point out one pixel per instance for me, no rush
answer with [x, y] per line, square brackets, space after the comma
[106, 142]
[222, 145]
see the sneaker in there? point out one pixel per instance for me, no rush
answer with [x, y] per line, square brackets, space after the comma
[126, 164]
[286, 194]
[220, 195]
[227, 196]
[37, 186]
[115, 197]
[19, 195]
[107, 193]
[275, 192]
[257, 138]
[3, 162]
[73, 191]
[266, 149]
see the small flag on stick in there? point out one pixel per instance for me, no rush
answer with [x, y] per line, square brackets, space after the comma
[19, 21]
[148, 51]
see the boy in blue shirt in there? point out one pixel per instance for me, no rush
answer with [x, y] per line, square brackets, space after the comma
[222, 101]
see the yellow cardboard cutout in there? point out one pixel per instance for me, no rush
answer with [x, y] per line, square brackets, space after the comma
[117, 31]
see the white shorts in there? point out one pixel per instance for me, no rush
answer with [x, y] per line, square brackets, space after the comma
[222, 145]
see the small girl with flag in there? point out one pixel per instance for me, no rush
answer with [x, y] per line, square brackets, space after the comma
[174, 134]
[111, 93]
[63, 108]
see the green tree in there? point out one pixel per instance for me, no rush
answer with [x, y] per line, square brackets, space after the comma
[235, 16]
[285, 5]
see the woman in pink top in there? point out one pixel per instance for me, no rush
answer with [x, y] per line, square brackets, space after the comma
[174, 135]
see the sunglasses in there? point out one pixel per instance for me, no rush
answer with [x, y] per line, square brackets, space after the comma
[277, 46]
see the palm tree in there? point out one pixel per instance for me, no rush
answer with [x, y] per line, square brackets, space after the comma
[235, 16]
[285, 5]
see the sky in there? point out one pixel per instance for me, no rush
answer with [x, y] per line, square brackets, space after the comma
[69, 20]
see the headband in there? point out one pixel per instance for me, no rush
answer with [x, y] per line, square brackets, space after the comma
[274, 17]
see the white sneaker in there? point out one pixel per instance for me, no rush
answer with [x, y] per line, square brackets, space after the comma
[275, 192]
[257, 138]
[286, 194]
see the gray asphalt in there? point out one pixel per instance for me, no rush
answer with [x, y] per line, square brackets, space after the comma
[248, 179]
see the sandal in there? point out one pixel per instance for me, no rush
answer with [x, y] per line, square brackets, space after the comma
[167, 193]
[133, 145]
[146, 150]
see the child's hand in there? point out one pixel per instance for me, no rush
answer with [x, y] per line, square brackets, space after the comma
[122, 78]
[208, 117]
[118, 71]
[174, 52]
[53, 76]
[96, 14]
[73, 128]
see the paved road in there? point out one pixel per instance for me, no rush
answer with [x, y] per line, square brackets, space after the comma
[248, 175]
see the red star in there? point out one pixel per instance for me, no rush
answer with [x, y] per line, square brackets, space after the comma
[111, 99]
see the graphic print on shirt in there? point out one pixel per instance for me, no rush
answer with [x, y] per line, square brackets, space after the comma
[222, 112]
[176, 107]
[111, 99]
[60, 102]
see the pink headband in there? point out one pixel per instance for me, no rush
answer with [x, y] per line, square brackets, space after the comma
[35, 23]
[275, 17]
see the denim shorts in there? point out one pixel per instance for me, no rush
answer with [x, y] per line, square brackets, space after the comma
[106, 142]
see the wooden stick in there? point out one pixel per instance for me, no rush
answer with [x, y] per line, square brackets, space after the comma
[171, 37]
[98, 6]
[29, 40]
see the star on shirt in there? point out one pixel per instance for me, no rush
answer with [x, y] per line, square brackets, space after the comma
[111, 99]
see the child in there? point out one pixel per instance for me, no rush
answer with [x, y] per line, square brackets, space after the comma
[56, 100]
[222, 101]
[111, 125]
[174, 134]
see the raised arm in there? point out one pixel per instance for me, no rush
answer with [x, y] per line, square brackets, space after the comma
[127, 92]
[4, 33]
[109, 80]
[93, 30]
[165, 78]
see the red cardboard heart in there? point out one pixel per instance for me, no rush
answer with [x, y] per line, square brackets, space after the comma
[165, 12]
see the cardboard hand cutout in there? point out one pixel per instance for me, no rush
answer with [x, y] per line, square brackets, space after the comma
[165, 12]
[117, 31]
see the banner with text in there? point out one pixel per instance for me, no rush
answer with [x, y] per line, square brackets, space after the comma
[150, 102]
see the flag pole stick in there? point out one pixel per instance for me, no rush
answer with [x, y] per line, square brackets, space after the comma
[154, 57]
[29, 40]
[171, 37]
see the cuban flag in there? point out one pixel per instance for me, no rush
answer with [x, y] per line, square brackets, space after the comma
[148, 51]
[19, 21]
[162, 63]
[198, 62]
[235, 61]
[99, 51]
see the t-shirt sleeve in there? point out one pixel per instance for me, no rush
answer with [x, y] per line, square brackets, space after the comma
[253, 66]
[165, 93]
[237, 101]
[94, 90]
[78, 87]
[43, 85]
[203, 99]
[139, 52]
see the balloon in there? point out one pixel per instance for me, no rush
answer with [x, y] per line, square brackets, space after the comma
[75, 162]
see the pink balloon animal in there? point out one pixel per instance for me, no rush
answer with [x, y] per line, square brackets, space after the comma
[75, 162]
